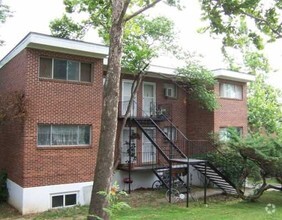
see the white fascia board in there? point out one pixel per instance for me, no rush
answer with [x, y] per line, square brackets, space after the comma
[233, 75]
[162, 70]
[46, 42]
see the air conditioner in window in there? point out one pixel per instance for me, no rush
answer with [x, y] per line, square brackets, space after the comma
[169, 92]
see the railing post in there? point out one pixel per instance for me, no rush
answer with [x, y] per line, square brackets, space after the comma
[188, 183]
[170, 180]
[205, 189]
[129, 159]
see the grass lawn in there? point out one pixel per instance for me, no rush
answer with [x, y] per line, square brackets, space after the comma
[218, 208]
[152, 205]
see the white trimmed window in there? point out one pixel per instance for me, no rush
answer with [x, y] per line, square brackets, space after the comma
[63, 135]
[63, 200]
[231, 91]
[170, 133]
[170, 90]
[225, 135]
[64, 70]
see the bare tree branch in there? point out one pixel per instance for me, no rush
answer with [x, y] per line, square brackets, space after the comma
[146, 7]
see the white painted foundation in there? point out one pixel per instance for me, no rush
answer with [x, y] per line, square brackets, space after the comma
[145, 179]
[141, 179]
[38, 199]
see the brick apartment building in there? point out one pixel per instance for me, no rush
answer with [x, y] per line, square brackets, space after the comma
[50, 157]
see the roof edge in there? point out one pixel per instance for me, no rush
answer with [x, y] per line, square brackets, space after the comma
[56, 44]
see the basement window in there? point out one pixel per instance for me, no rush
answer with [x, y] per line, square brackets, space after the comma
[64, 70]
[63, 200]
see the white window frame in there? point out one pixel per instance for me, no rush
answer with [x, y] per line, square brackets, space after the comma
[65, 145]
[64, 199]
[68, 80]
[154, 102]
[235, 91]
[124, 105]
[174, 133]
[173, 88]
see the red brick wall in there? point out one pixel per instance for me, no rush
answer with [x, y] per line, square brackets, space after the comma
[55, 102]
[232, 112]
[12, 78]
[61, 102]
[200, 122]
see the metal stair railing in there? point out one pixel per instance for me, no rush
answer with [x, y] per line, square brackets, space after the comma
[215, 176]
[187, 146]
[151, 139]
[165, 160]
[181, 154]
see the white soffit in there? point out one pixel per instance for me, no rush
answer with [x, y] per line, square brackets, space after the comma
[233, 75]
[55, 44]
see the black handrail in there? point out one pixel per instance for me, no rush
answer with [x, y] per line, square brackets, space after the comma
[151, 140]
[168, 139]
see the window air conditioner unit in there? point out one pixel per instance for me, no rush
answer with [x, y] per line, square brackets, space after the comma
[169, 92]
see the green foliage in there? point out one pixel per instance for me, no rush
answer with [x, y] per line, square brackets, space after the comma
[229, 18]
[228, 159]
[254, 156]
[200, 82]
[3, 187]
[4, 14]
[143, 40]
[113, 198]
[67, 28]
[265, 113]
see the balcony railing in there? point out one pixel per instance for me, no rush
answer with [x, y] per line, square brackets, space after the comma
[153, 109]
[193, 149]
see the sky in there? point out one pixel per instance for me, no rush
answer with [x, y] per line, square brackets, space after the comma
[35, 15]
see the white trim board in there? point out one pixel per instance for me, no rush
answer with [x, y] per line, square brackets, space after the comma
[55, 44]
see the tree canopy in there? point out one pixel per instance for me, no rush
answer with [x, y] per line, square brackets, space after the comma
[4, 14]
[257, 20]
[265, 114]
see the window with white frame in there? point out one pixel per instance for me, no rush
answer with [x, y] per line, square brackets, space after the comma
[225, 133]
[64, 70]
[63, 200]
[231, 91]
[170, 133]
[63, 135]
[170, 90]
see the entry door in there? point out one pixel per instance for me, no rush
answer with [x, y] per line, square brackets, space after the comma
[125, 145]
[149, 99]
[126, 94]
[148, 149]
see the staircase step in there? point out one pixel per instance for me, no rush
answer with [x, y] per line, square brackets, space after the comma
[216, 177]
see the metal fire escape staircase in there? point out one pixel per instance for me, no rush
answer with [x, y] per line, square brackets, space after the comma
[172, 159]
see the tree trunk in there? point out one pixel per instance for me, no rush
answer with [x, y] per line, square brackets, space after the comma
[105, 157]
